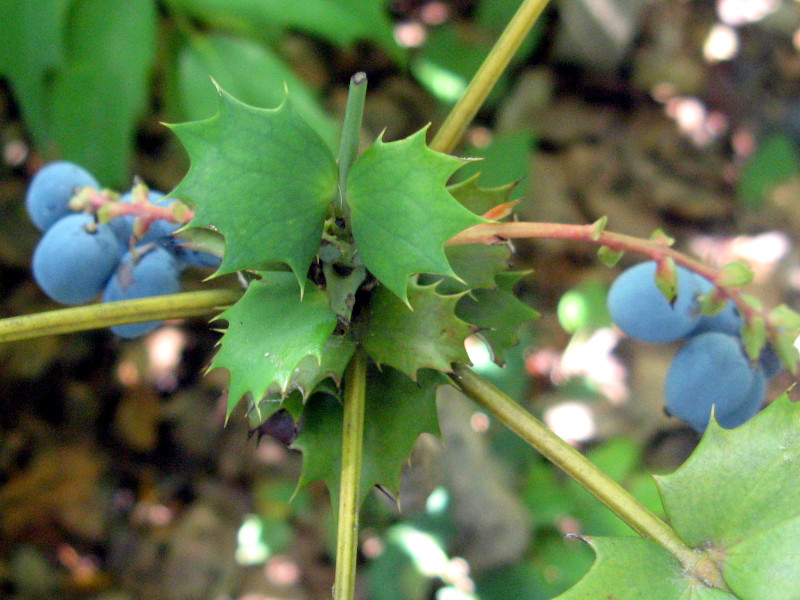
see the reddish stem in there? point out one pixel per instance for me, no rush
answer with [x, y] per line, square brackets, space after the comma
[495, 233]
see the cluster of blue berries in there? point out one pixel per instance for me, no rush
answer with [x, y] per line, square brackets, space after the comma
[711, 368]
[79, 257]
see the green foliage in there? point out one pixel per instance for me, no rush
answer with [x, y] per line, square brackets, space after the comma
[81, 72]
[231, 62]
[397, 411]
[734, 499]
[271, 330]
[401, 211]
[423, 334]
[775, 160]
[341, 22]
[261, 177]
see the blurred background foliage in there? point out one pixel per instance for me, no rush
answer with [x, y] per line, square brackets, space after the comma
[117, 478]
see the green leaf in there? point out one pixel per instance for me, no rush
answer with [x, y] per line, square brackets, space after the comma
[737, 495]
[426, 335]
[754, 336]
[261, 177]
[506, 158]
[775, 160]
[401, 212]
[270, 333]
[475, 265]
[478, 199]
[608, 256]
[667, 279]
[598, 227]
[30, 51]
[101, 90]
[735, 274]
[232, 61]
[397, 410]
[633, 568]
[787, 351]
[339, 21]
[711, 304]
[784, 317]
[498, 314]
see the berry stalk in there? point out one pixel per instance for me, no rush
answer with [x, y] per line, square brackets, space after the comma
[577, 466]
[97, 316]
[657, 249]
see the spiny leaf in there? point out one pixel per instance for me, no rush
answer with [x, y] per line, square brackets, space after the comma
[475, 265]
[480, 200]
[263, 178]
[397, 410]
[270, 333]
[633, 568]
[401, 212]
[737, 494]
[426, 335]
[498, 314]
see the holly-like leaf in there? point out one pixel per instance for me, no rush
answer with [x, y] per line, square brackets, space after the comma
[401, 212]
[475, 265]
[478, 199]
[737, 494]
[397, 410]
[261, 177]
[633, 568]
[498, 314]
[271, 330]
[736, 499]
[427, 335]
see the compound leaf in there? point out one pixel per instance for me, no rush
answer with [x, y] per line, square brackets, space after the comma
[401, 212]
[397, 410]
[271, 331]
[737, 494]
[261, 177]
[426, 335]
[633, 568]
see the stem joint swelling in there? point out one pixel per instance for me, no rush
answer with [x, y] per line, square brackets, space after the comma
[578, 467]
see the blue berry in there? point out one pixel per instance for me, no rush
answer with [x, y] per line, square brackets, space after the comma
[74, 259]
[750, 405]
[711, 370]
[154, 273]
[52, 188]
[639, 308]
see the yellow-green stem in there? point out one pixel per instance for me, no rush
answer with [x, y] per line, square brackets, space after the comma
[577, 466]
[97, 316]
[453, 128]
[349, 496]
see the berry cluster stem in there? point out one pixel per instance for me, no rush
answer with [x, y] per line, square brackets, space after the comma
[98, 316]
[657, 250]
[577, 466]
